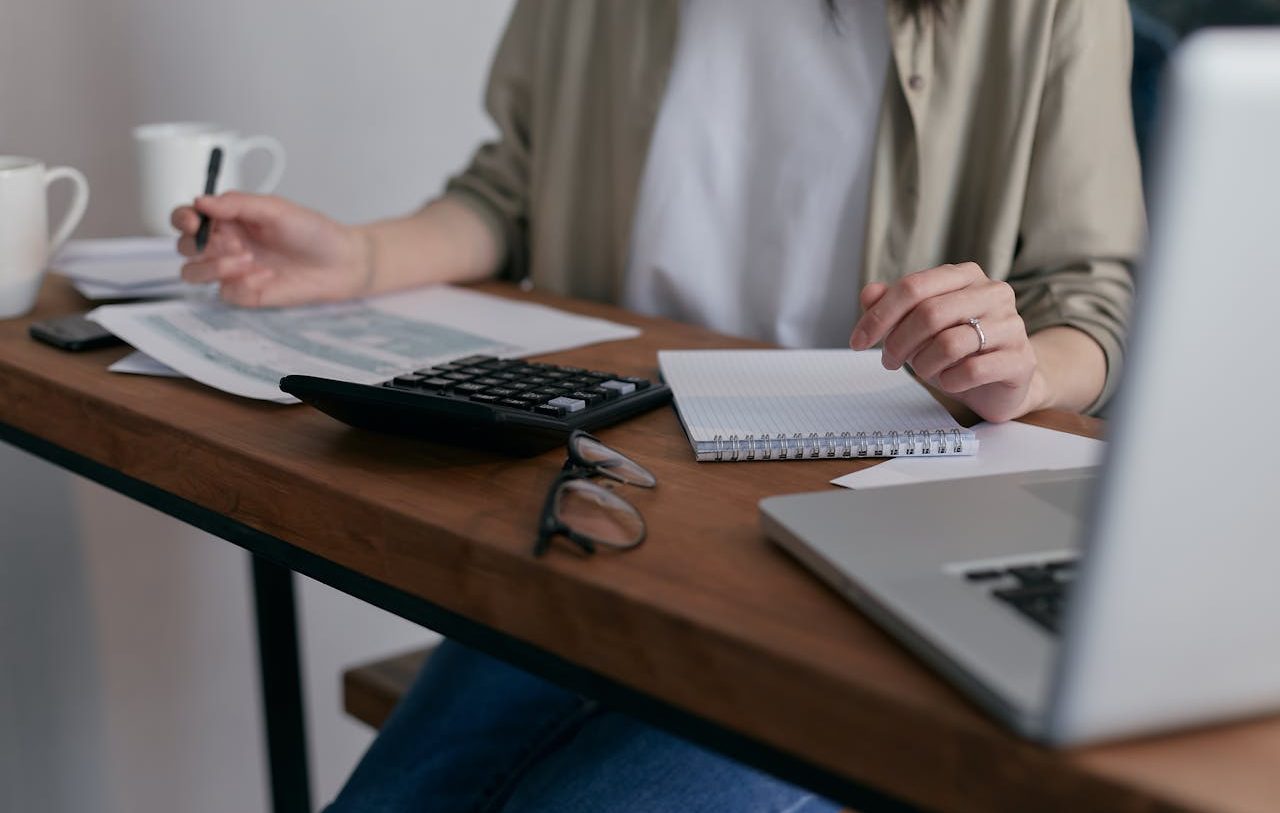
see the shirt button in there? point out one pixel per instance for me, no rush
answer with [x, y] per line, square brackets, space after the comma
[916, 82]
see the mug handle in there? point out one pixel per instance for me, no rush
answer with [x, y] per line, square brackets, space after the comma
[264, 142]
[79, 201]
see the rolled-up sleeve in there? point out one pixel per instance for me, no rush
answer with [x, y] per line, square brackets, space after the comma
[496, 182]
[1083, 224]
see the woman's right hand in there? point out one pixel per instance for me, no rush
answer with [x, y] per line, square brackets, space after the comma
[266, 251]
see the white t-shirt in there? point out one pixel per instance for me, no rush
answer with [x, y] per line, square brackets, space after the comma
[753, 203]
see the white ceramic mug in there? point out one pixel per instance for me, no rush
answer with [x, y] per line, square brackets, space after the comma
[173, 159]
[25, 244]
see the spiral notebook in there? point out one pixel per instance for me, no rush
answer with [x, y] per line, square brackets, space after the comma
[806, 404]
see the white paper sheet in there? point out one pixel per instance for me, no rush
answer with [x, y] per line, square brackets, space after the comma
[89, 249]
[138, 363]
[1007, 448]
[246, 352]
[123, 262]
[163, 290]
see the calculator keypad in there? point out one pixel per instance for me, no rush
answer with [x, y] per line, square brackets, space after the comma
[537, 387]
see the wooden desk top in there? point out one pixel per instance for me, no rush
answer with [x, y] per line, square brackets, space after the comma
[707, 615]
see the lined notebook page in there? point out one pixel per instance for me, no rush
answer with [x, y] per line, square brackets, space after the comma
[785, 392]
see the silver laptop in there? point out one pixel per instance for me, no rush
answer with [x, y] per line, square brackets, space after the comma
[1079, 606]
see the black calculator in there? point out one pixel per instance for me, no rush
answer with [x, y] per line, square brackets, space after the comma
[509, 405]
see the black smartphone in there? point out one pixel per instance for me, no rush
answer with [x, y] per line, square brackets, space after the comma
[72, 333]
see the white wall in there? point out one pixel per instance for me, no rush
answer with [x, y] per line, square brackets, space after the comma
[127, 665]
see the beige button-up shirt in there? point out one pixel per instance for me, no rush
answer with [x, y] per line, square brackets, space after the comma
[1005, 138]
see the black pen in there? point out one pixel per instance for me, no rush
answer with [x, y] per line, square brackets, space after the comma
[210, 183]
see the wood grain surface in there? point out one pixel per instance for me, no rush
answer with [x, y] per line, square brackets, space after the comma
[707, 615]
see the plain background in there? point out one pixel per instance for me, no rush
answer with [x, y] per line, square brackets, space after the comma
[127, 661]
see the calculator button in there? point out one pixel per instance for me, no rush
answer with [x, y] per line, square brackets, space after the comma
[435, 383]
[500, 392]
[568, 404]
[411, 380]
[604, 391]
[547, 409]
[514, 403]
[469, 360]
[622, 387]
[590, 397]
[485, 398]
[641, 383]
[468, 389]
[457, 376]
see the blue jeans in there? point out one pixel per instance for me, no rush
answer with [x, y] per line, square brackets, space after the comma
[475, 734]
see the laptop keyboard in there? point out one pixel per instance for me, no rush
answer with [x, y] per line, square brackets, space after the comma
[1036, 589]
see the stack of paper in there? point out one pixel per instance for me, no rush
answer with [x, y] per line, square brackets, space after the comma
[124, 268]
[247, 351]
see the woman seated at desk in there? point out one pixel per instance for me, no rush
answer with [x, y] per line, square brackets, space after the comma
[804, 172]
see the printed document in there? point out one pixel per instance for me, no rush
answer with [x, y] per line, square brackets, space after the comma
[247, 351]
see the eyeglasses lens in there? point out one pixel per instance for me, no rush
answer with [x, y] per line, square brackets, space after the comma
[611, 463]
[594, 511]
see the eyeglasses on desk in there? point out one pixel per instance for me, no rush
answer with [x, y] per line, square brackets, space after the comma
[588, 513]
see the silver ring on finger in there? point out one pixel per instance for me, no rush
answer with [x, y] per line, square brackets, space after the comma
[976, 324]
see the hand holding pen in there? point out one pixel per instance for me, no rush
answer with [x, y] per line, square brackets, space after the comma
[266, 251]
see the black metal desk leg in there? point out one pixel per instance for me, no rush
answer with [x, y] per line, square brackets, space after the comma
[281, 686]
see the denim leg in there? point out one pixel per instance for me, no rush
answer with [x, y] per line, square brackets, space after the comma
[469, 727]
[615, 764]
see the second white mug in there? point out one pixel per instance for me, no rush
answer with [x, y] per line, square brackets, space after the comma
[173, 158]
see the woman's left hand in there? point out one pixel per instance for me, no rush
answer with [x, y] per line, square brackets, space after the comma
[923, 320]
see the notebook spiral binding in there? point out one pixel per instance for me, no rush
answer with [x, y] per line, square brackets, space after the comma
[845, 444]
